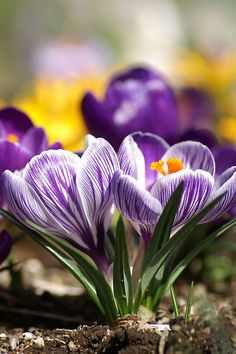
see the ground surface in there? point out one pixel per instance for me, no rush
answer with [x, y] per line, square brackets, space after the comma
[45, 319]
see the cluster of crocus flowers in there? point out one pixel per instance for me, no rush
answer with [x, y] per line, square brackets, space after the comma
[20, 140]
[73, 197]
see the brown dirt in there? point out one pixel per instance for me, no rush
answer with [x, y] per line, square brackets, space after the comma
[212, 330]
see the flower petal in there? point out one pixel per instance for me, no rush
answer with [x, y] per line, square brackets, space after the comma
[24, 202]
[153, 148]
[12, 156]
[98, 165]
[227, 183]
[132, 160]
[52, 176]
[194, 156]
[98, 119]
[198, 186]
[136, 204]
[15, 121]
[35, 141]
[225, 157]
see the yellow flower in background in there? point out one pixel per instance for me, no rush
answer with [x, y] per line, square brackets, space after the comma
[227, 129]
[55, 105]
[216, 74]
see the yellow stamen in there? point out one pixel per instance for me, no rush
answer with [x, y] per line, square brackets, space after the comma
[158, 166]
[173, 164]
[13, 138]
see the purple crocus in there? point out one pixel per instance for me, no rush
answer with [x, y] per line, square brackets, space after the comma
[5, 245]
[196, 108]
[150, 172]
[68, 195]
[136, 99]
[20, 140]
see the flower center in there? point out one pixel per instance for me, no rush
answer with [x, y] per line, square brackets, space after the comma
[172, 165]
[13, 138]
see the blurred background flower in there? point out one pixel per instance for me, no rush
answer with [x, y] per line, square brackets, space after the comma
[55, 105]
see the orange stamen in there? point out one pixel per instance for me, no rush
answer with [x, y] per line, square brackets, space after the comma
[13, 138]
[172, 165]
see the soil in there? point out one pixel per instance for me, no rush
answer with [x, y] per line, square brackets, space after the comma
[54, 316]
[27, 322]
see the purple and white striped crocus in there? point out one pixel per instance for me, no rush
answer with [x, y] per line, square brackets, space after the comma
[68, 195]
[150, 172]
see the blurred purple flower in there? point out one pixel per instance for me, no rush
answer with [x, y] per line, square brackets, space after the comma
[136, 99]
[68, 195]
[20, 140]
[196, 108]
[150, 173]
[5, 245]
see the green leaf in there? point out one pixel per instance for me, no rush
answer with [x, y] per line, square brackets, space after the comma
[174, 301]
[103, 289]
[160, 257]
[163, 228]
[122, 280]
[89, 276]
[189, 302]
[191, 255]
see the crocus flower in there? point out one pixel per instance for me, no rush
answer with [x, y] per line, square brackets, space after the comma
[225, 157]
[68, 195]
[20, 140]
[196, 108]
[5, 245]
[151, 171]
[136, 99]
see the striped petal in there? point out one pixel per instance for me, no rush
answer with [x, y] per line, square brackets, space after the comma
[198, 186]
[98, 165]
[227, 185]
[153, 148]
[26, 204]
[194, 155]
[52, 176]
[135, 204]
[132, 160]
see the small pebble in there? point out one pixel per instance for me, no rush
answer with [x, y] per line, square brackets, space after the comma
[72, 346]
[3, 336]
[27, 336]
[39, 342]
[13, 343]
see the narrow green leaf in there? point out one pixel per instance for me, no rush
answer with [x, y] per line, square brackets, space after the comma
[163, 228]
[191, 255]
[122, 280]
[89, 276]
[189, 302]
[103, 289]
[174, 301]
[180, 236]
